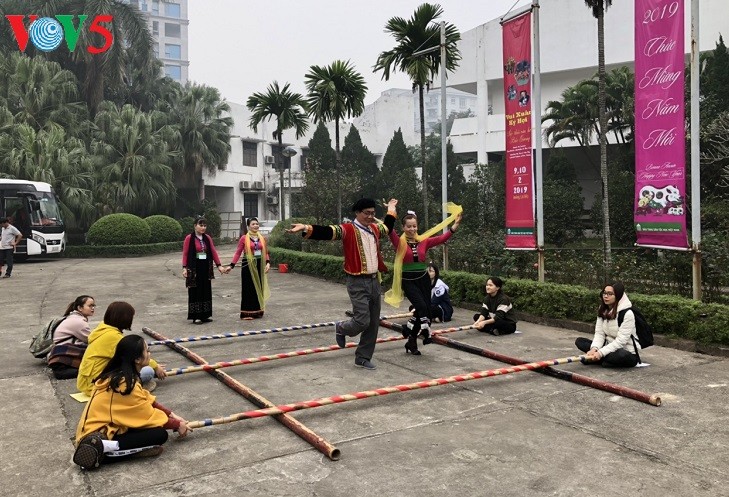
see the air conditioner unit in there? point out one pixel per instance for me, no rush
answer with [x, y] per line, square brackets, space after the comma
[245, 185]
[270, 159]
[257, 185]
[272, 200]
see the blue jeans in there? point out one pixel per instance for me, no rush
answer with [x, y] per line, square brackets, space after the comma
[146, 374]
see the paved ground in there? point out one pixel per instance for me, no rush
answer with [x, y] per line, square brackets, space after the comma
[521, 434]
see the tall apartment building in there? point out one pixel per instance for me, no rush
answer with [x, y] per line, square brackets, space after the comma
[168, 21]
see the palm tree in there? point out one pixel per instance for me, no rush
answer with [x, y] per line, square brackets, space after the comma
[197, 113]
[335, 92]
[134, 161]
[288, 109]
[414, 35]
[598, 11]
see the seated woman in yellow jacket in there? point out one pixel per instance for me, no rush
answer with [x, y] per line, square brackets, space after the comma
[122, 419]
[102, 343]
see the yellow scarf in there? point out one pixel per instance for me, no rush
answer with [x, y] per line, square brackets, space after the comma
[263, 292]
[394, 295]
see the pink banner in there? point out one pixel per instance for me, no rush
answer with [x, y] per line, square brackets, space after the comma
[660, 158]
[517, 36]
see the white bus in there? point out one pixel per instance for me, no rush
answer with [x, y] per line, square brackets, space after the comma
[32, 207]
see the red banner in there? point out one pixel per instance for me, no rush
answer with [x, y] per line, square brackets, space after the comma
[517, 36]
[660, 156]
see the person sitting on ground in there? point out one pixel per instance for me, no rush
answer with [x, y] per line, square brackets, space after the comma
[441, 308]
[122, 419]
[612, 345]
[71, 337]
[102, 343]
[497, 314]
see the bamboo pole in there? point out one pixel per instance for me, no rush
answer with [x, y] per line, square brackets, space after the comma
[252, 332]
[338, 399]
[652, 399]
[289, 422]
[296, 353]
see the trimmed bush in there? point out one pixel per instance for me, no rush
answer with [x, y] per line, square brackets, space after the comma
[669, 315]
[119, 229]
[163, 229]
[279, 238]
[109, 251]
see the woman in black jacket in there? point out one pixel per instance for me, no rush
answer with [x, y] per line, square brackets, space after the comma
[497, 314]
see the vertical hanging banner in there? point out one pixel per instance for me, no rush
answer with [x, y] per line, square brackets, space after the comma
[517, 35]
[660, 142]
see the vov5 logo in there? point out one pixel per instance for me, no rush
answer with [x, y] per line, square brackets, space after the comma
[47, 33]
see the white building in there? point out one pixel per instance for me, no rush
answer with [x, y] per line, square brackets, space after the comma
[568, 44]
[168, 21]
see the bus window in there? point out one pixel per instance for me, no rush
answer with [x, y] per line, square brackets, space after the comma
[35, 212]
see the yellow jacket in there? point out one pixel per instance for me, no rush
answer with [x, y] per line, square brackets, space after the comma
[102, 345]
[114, 413]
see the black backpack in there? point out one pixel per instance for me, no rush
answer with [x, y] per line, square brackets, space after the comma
[642, 329]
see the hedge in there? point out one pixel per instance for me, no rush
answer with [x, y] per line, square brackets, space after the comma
[163, 229]
[119, 229]
[90, 251]
[671, 316]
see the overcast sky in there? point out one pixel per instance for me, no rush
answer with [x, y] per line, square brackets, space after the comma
[241, 46]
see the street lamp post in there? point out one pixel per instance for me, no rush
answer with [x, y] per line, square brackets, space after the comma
[288, 152]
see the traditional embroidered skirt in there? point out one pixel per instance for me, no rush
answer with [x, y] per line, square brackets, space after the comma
[249, 305]
[200, 297]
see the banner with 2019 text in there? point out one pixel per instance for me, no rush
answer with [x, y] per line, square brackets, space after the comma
[660, 159]
[517, 102]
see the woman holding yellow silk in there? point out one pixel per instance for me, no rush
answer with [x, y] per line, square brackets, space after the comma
[254, 271]
[411, 268]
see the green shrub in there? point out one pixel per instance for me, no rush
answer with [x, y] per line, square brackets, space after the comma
[668, 315]
[212, 216]
[279, 238]
[119, 229]
[163, 229]
[187, 224]
[108, 251]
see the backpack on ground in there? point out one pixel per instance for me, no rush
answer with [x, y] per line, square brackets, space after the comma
[642, 328]
[42, 343]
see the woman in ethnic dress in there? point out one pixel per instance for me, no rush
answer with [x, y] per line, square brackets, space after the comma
[411, 263]
[254, 271]
[198, 256]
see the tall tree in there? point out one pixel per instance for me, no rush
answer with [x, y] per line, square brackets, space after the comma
[319, 191]
[358, 160]
[134, 161]
[598, 8]
[198, 114]
[336, 92]
[289, 110]
[397, 178]
[415, 35]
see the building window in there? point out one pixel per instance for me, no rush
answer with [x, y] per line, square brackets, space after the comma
[173, 51]
[453, 101]
[174, 72]
[250, 205]
[250, 153]
[462, 103]
[172, 10]
[172, 30]
[155, 7]
[155, 27]
[278, 157]
[143, 6]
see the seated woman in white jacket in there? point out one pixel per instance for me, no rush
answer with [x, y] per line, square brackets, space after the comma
[612, 345]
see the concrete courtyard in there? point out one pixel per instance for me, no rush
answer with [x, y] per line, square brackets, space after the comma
[519, 434]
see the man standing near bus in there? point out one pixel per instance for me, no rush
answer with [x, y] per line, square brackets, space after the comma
[9, 239]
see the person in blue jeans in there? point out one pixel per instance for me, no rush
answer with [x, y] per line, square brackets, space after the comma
[9, 239]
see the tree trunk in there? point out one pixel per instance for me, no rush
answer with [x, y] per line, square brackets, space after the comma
[607, 258]
[281, 177]
[422, 155]
[338, 167]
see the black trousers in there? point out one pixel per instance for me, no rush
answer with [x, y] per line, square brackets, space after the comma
[503, 327]
[621, 358]
[6, 257]
[416, 286]
[135, 438]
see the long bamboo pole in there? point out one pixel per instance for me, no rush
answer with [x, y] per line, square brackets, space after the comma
[295, 353]
[652, 399]
[252, 332]
[257, 399]
[338, 399]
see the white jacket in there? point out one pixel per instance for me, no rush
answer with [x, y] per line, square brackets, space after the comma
[608, 338]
